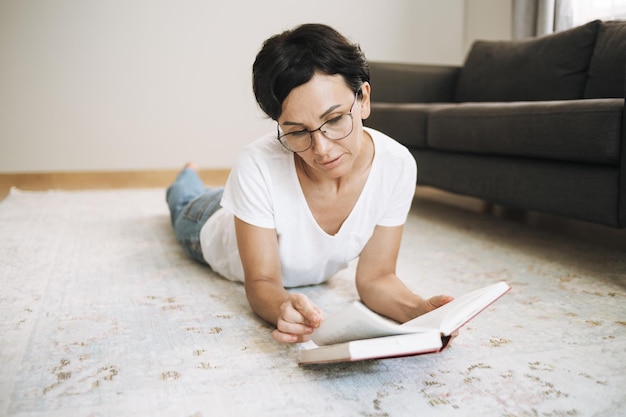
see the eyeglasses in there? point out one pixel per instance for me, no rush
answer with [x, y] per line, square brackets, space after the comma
[336, 128]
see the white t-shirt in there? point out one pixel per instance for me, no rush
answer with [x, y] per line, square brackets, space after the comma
[263, 190]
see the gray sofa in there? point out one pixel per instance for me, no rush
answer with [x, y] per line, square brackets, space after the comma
[536, 125]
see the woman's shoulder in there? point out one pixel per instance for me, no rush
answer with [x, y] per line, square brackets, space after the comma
[264, 157]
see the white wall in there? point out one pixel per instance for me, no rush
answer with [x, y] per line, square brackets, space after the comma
[487, 19]
[150, 84]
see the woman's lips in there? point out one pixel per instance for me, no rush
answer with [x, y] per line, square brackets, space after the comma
[331, 162]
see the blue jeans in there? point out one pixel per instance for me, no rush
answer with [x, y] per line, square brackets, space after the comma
[191, 204]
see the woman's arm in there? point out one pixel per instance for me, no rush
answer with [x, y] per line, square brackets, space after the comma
[293, 314]
[378, 285]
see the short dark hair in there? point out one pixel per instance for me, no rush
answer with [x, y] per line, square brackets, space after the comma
[291, 58]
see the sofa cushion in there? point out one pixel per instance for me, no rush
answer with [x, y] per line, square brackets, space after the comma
[412, 83]
[405, 122]
[607, 68]
[567, 130]
[552, 67]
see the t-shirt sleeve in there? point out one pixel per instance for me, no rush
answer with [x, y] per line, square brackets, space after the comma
[248, 193]
[400, 177]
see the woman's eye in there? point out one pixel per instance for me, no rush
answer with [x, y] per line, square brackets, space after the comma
[334, 120]
[298, 134]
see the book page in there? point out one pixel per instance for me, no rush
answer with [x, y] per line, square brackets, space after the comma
[356, 322]
[450, 317]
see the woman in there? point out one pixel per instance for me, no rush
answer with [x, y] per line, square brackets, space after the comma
[303, 202]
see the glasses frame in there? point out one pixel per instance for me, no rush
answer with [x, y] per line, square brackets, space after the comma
[349, 113]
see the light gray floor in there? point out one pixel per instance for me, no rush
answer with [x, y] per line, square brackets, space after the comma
[102, 315]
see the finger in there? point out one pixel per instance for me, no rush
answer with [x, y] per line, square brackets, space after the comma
[288, 337]
[284, 337]
[285, 326]
[290, 314]
[310, 312]
[439, 300]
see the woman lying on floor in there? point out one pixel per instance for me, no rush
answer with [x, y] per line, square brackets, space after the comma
[303, 202]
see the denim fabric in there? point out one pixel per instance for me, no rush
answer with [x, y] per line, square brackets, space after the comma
[191, 204]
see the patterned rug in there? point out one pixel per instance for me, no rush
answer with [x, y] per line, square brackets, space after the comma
[101, 314]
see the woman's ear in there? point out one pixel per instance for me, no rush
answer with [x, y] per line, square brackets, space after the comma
[366, 90]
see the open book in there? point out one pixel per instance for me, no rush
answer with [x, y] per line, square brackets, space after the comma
[357, 333]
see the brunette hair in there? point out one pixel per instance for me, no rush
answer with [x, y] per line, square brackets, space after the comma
[291, 58]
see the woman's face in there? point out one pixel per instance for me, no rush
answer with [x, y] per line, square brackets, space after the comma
[323, 98]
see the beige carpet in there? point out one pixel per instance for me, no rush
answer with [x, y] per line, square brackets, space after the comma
[102, 315]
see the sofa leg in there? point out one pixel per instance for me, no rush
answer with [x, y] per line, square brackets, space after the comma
[516, 215]
[487, 208]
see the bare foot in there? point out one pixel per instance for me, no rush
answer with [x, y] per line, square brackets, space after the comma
[191, 165]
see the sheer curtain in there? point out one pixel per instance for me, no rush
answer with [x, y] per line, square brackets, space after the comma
[541, 17]
[587, 10]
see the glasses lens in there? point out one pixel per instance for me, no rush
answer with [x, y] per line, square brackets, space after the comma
[337, 128]
[296, 141]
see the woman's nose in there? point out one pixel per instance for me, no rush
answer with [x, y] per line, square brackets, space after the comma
[320, 142]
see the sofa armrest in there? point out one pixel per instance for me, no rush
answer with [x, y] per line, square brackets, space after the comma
[413, 83]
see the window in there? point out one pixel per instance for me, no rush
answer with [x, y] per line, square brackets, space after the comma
[587, 10]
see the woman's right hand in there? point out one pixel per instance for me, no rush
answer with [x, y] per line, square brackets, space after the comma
[299, 317]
